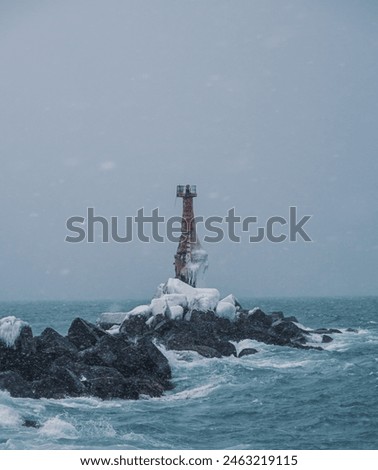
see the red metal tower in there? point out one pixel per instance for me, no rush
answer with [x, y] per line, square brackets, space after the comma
[189, 257]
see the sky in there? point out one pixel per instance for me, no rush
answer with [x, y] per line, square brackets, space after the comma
[263, 104]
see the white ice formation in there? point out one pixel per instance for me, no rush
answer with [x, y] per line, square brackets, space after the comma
[10, 329]
[175, 297]
[197, 264]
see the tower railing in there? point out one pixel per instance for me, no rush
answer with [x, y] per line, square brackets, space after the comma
[186, 190]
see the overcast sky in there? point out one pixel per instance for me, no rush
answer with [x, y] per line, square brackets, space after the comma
[264, 104]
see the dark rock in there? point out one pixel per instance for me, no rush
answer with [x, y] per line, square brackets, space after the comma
[224, 328]
[156, 319]
[105, 352]
[287, 332]
[325, 331]
[247, 352]
[259, 317]
[326, 339]
[352, 330]
[134, 326]
[206, 351]
[59, 382]
[193, 336]
[161, 325]
[277, 316]
[253, 326]
[31, 423]
[105, 382]
[180, 341]
[84, 334]
[92, 362]
[148, 386]
[142, 359]
[290, 319]
[15, 385]
[203, 317]
[153, 360]
[52, 345]
[225, 348]
[22, 358]
[306, 346]
[25, 342]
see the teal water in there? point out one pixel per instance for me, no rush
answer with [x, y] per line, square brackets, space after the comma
[280, 398]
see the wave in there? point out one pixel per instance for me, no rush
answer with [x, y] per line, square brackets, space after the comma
[58, 428]
[9, 417]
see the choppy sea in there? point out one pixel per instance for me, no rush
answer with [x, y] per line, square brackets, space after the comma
[280, 398]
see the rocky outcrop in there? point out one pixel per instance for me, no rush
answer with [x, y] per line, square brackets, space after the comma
[118, 357]
[88, 362]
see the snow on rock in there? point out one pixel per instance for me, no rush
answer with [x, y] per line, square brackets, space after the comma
[174, 312]
[114, 330]
[175, 299]
[117, 318]
[150, 321]
[158, 306]
[225, 310]
[175, 286]
[159, 290]
[202, 299]
[144, 310]
[10, 329]
[231, 299]
[254, 310]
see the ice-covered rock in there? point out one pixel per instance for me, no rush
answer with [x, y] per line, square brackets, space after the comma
[114, 330]
[10, 329]
[231, 299]
[158, 306]
[176, 299]
[226, 310]
[175, 286]
[254, 310]
[201, 299]
[108, 319]
[174, 312]
[204, 299]
[144, 310]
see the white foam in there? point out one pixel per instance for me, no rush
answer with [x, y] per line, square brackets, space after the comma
[9, 418]
[10, 329]
[274, 364]
[58, 428]
[246, 344]
[197, 392]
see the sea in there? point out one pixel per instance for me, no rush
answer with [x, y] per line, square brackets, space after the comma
[279, 398]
